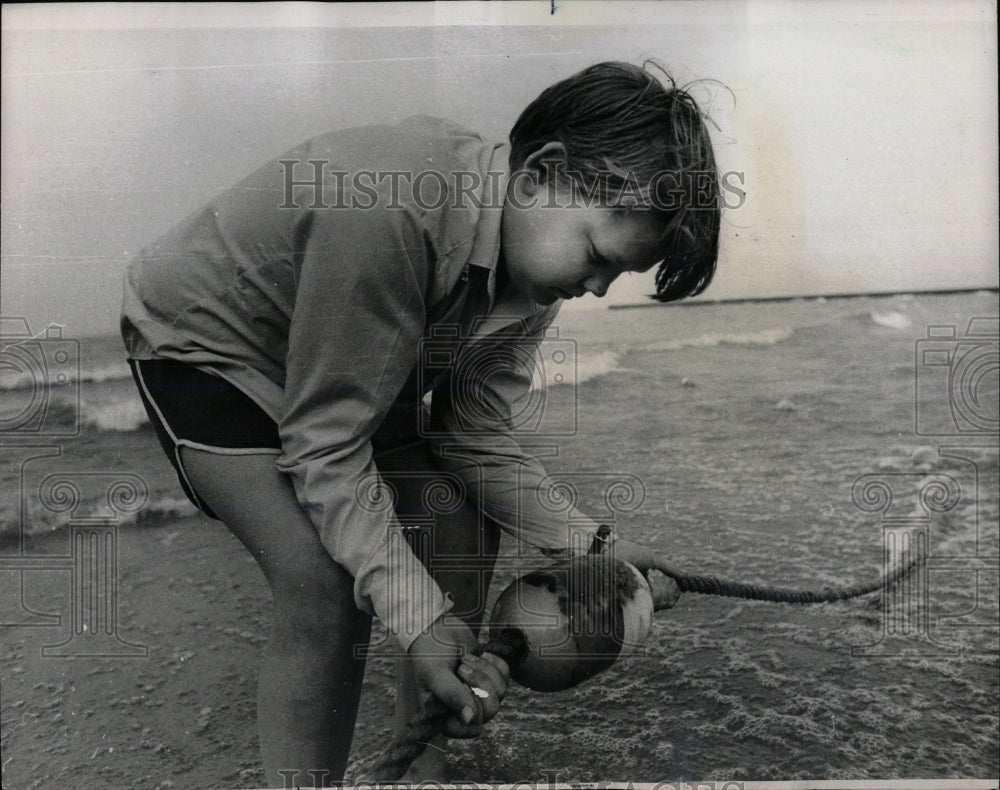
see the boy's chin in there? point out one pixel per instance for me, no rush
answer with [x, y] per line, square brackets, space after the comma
[540, 294]
[545, 296]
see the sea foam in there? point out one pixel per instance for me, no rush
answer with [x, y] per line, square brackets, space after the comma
[33, 369]
[892, 320]
[588, 366]
[121, 414]
[764, 337]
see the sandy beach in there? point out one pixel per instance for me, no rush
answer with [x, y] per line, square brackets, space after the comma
[746, 431]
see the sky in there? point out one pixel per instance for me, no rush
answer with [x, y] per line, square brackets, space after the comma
[864, 133]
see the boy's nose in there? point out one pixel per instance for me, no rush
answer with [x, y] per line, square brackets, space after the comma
[598, 286]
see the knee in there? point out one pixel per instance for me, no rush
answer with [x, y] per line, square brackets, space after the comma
[318, 608]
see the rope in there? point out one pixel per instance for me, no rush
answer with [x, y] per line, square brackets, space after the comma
[508, 644]
[710, 585]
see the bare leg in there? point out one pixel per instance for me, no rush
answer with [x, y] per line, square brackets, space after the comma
[461, 533]
[310, 681]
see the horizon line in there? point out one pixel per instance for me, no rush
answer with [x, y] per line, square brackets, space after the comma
[743, 299]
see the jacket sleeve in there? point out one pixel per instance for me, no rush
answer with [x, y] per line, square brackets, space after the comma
[353, 339]
[476, 423]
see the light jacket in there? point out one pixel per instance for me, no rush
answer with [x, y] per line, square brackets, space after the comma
[337, 302]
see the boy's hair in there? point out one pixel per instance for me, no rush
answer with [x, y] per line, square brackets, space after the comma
[625, 132]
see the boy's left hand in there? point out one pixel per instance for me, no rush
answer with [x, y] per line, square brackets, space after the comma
[665, 589]
[439, 655]
[474, 670]
[645, 559]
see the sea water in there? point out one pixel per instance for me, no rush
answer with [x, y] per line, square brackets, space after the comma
[756, 440]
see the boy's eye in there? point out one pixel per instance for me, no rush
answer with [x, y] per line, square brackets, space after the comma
[599, 260]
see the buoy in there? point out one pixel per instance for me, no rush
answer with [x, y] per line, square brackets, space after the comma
[572, 620]
[559, 626]
[555, 628]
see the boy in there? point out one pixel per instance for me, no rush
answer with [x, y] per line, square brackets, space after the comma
[276, 339]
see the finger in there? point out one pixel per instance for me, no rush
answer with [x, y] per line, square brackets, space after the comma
[664, 567]
[489, 701]
[495, 668]
[483, 686]
[454, 727]
[670, 593]
[467, 714]
[501, 666]
[664, 589]
[675, 592]
[634, 553]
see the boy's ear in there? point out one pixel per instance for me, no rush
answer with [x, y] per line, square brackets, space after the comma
[546, 163]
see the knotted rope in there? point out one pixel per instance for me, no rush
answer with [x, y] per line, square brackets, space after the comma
[509, 644]
[710, 585]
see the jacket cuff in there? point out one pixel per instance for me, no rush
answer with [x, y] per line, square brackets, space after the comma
[579, 539]
[394, 585]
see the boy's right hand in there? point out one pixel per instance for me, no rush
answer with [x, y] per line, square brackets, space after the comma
[443, 658]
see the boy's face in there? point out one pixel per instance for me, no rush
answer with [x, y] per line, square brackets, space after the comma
[554, 250]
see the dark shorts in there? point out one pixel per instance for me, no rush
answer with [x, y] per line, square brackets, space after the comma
[191, 408]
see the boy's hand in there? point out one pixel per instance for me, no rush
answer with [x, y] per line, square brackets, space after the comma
[443, 659]
[665, 589]
[643, 558]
